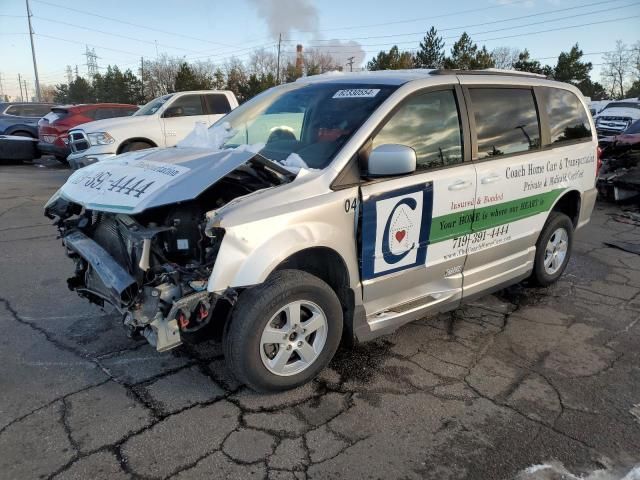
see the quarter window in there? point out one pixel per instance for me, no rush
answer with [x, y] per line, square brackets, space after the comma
[506, 121]
[568, 120]
[430, 124]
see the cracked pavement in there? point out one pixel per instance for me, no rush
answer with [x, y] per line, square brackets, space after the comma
[522, 377]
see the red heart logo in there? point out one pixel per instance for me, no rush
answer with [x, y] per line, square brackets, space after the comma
[400, 234]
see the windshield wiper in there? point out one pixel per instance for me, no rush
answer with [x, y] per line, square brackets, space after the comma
[273, 166]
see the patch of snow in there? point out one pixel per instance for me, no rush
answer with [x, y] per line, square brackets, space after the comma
[210, 138]
[537, 468]
[553, 470]
[634, 474]
[253, 148]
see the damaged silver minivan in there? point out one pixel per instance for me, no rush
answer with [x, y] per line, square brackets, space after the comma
[338, 206]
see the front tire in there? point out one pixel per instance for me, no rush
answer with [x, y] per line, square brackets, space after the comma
[283, 332]
[553, 249]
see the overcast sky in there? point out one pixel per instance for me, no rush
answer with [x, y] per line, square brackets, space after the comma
[208, 29]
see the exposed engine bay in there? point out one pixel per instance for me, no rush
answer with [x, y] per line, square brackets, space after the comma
[154, 266]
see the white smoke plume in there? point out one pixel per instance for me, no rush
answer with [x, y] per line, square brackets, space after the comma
[288, 16]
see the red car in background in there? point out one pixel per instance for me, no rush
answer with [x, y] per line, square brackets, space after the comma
[54, 127]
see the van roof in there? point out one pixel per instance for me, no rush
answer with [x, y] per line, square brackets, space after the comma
[398, 77]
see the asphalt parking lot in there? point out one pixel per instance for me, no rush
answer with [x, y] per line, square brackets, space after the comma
[527, 377]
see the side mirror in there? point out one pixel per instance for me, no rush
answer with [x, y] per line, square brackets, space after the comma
[391, 159]
[173, 112]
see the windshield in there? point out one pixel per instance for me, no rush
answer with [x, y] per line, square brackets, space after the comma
[153, 106]
[303, 125]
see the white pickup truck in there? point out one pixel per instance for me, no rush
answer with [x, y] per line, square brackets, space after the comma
[162, 122]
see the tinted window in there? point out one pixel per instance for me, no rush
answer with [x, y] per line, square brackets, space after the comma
[506, 121]
[102, 113]
[568, 120]
[429, 124]
[217, 104]
[187, 106]
[35, 110]
[14, 110]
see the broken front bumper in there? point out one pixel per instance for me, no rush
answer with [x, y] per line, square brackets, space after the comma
[116, 284]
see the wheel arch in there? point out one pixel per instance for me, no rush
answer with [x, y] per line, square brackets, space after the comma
[328, 265]
[569, 204]
[135, 139]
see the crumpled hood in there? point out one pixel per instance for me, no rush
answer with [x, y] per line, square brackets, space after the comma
[135, 181]
[110, 125]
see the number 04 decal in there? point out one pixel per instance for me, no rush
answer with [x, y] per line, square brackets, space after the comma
[350, 205]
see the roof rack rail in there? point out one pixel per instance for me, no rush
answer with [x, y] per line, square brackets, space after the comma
[487, 71]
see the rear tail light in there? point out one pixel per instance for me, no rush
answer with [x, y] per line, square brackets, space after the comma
[598, 160]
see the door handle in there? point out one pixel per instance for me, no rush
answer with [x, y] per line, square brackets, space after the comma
[490, 179]
[460, 185]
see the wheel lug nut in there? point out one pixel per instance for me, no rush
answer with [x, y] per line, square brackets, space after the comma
[299, 344]
[288, 347]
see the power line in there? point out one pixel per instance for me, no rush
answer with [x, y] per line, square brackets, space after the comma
[114, 34]
[451, 37]
[413, 20]
[464, 27]
[147, 27]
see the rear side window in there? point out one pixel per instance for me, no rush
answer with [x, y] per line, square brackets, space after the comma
[506, 121]
[217, 104]
[429, 124]
[568, 120]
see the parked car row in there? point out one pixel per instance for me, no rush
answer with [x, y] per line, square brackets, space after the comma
[83, 134]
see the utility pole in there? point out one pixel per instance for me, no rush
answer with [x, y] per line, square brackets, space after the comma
[77, 71]
[157, 55]
[33, 52]
[20, 83]
[69, 74]
[26, 92]
[350, 63]
[142, 77]
[278, 62]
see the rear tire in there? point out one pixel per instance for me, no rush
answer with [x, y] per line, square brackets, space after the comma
[306, 341]
[553, 250]
[62, 160]
[133, 146]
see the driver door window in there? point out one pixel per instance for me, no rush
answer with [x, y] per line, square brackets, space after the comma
[429, 124]
[181, 116]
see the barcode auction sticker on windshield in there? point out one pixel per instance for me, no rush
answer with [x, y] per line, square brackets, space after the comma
[356, 93]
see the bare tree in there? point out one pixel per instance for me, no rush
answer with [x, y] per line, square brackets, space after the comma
[505, 57]
[319, 61]
[262, 62]
[617, 67]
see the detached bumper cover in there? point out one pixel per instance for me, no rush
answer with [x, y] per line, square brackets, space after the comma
[115, 278]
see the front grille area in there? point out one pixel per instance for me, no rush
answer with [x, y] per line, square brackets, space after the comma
[78, 141]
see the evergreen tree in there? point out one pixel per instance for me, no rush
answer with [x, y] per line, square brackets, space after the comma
[392, 60]
[431, 52]
[188, 79]
[465, 55]
[526, 64]
[570, 68]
